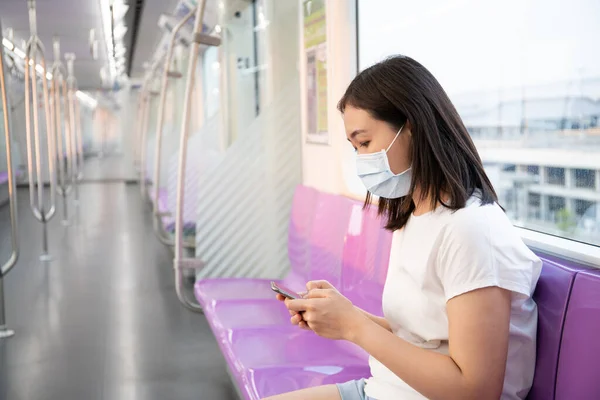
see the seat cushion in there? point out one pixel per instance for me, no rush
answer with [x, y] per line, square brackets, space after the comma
[237, 314]
[288, 346]
[579, 364]
[266, 382]
[209, 292]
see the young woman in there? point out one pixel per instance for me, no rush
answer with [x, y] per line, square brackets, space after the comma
[459, 321]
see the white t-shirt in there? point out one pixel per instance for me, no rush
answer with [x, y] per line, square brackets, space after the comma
[440, 255]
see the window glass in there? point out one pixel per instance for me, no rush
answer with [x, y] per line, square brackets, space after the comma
[525, 78]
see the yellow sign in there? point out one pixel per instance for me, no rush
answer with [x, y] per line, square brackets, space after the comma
[315, 50]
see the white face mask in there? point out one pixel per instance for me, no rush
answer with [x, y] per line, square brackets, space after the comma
[375, 172]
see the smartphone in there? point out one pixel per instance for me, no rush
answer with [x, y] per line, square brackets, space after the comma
[282, 290]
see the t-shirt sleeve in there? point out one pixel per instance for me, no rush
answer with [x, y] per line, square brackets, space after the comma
[480, 248]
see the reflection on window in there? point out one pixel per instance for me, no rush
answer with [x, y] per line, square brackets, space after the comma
[529, 96]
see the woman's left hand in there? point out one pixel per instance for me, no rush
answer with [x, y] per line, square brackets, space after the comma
[328, 313]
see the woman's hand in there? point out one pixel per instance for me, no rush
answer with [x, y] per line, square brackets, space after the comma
[326, 311]
[296, 317]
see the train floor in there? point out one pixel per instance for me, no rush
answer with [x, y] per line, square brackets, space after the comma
[102, 320]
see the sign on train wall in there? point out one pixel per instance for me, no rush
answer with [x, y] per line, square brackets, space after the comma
[315, 52]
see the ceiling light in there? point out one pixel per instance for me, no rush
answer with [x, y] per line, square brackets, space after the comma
[86, 99]
[19, 52]
[119, 10]
[8, 44]
[108, 39]
[119, 31]
[120, 51]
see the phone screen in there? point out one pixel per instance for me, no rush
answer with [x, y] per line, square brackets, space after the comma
[290, 294]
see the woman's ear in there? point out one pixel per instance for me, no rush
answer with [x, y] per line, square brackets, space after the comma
[408, 127]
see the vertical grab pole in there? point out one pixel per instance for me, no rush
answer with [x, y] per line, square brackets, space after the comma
[70, 98]
[143, 135]
[149, 93]
[138, 127]
[58, 95]
[79, 138]
[166, 74]
[35, 47]
[12, 196]
[179, 263]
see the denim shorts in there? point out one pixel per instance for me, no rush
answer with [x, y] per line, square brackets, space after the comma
[353, 390]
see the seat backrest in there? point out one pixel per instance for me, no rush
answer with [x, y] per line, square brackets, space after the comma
[365, 260]
[299, 230]
[578, 374]
[552, 297]
[327, 236]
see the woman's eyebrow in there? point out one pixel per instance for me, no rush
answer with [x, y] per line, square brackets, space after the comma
[355, 133]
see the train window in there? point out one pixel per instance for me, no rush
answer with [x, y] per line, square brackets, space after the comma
[529, 96]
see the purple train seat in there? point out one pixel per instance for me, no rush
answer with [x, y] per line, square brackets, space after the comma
[326, 244]
[340, 226]
[578, 374]
[366, 257]
[210, 291]
[3, 177]
[552, 297]
[333, 238]
[266, 382]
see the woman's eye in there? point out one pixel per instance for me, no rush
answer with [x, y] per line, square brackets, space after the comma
[364, 144]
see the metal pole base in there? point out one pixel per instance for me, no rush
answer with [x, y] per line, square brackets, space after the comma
[5, 332]
[46, 257]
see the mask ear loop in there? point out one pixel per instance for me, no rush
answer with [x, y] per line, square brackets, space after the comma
[393, 141]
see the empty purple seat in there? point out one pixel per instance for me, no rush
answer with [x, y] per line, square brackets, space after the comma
[326, 246]
[579, 363]
[366, 259]
[210, 291]
[3, 177]
[266, 382]
[552, 297]
[257, 347]
[257, 355]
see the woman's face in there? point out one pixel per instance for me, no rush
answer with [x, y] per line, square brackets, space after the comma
[369, 135]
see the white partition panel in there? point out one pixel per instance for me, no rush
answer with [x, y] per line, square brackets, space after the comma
[245, 200]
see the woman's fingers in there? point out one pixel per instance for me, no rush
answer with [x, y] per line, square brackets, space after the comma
[304, 325]
[296, 319]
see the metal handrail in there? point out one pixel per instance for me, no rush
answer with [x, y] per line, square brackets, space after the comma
[71, 98]
[143, 135]
[12, 197]
[156, 216]
[179, 262]
[138, 126]
[79, 138]
[58, 94]
[35, 50]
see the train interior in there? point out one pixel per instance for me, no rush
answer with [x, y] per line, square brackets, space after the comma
[163, 161]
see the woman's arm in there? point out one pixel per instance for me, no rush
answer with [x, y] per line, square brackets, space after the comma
[378, 320]
[478, 346]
